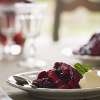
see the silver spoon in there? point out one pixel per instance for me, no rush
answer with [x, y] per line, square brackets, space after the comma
[22, 81]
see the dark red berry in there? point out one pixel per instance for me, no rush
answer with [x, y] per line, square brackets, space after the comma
[43, 83]
[56, 80]
[42, 74]
[57, 65]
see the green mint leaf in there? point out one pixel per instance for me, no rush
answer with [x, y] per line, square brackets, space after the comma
[82, 68]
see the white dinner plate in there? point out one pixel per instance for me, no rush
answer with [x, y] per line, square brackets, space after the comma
[54, 94]
[91, 60]
[86, 59]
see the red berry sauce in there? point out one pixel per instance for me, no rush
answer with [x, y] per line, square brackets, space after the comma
[61, 76]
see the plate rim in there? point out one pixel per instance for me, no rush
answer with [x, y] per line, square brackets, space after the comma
[86, 57]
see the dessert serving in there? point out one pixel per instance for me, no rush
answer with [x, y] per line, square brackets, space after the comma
[92, 47]
[61, 76]
[61, 82]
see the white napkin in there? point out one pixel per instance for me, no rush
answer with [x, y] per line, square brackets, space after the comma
[3, 95]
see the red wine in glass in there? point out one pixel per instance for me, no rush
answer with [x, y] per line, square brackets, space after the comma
[3, 39]
[18, 38]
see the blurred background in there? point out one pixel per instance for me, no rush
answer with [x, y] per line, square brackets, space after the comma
[74, 21]
[32, 24]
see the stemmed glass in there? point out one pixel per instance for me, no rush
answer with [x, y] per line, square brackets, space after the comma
[30, 19]
[9, 37]
[18, 32]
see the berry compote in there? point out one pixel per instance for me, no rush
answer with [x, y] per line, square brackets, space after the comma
[92, 48]
[61, 76]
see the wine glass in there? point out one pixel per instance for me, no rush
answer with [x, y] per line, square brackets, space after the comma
[30, 19]
[9, 47]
